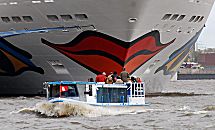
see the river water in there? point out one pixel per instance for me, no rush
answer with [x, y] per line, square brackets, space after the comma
[164, 112]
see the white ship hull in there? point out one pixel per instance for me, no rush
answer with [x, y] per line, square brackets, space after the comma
[149, 38]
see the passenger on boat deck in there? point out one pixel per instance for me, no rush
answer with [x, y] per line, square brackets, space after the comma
[111, 74]
[133, 79]
[138, 80]
[109, 80]
[114, 76]
[118, 80]
[124, 75]
[129, 80]
[90, 80]
[101, 77]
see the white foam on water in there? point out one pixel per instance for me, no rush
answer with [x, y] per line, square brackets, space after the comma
[65, 109]
[184, 108]
[195, 112]
[209, 108]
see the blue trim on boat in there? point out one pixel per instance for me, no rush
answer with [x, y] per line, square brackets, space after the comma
[42, 30]
[70, 82]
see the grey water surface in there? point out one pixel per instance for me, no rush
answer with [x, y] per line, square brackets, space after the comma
[164, 112]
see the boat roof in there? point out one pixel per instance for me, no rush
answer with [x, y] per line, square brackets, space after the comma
[70, 82]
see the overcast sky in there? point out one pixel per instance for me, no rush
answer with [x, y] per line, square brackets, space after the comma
[207, 37]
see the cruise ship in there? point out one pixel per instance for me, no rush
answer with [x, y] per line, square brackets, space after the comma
[53, 40]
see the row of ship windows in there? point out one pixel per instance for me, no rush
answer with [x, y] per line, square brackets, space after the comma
[181, 17]
[67, 18]
[33, 1]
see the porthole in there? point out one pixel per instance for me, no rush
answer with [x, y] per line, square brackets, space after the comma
[132, 20]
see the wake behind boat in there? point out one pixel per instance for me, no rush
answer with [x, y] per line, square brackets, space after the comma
[99, 94]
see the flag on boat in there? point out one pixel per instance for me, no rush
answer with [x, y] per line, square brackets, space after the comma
[64, 88]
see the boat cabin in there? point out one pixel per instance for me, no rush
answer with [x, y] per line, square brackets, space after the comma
[96, 93]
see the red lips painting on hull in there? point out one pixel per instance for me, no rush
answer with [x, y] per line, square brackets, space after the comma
[99, 52]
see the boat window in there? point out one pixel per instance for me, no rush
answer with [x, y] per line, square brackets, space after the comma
[81, 16]
[197, 18]
[201, 19]
[192, 18]
[69, 90]
[5, 19]
[66, 17]
[52, 17]
[16, 19]
[181, 17]
[175, 16]
[27, 18]
[166, 16]
[112, 95]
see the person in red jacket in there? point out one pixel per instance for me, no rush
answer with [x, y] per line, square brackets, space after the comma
[101, 77]
[138, 80]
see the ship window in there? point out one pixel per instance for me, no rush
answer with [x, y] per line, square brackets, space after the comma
[81, 16]
[27, 18]
[16, 19]
[166, 16]
[36, 1]
[5, 19]
[48, 1]
[201, 19]
[181, 17]
[192, 18]
[197, 18]
[175, 16]
[52, 17]
[66, 17]
[13, 3]
[132, 20]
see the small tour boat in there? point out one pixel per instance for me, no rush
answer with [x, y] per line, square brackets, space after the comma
[127, 94]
